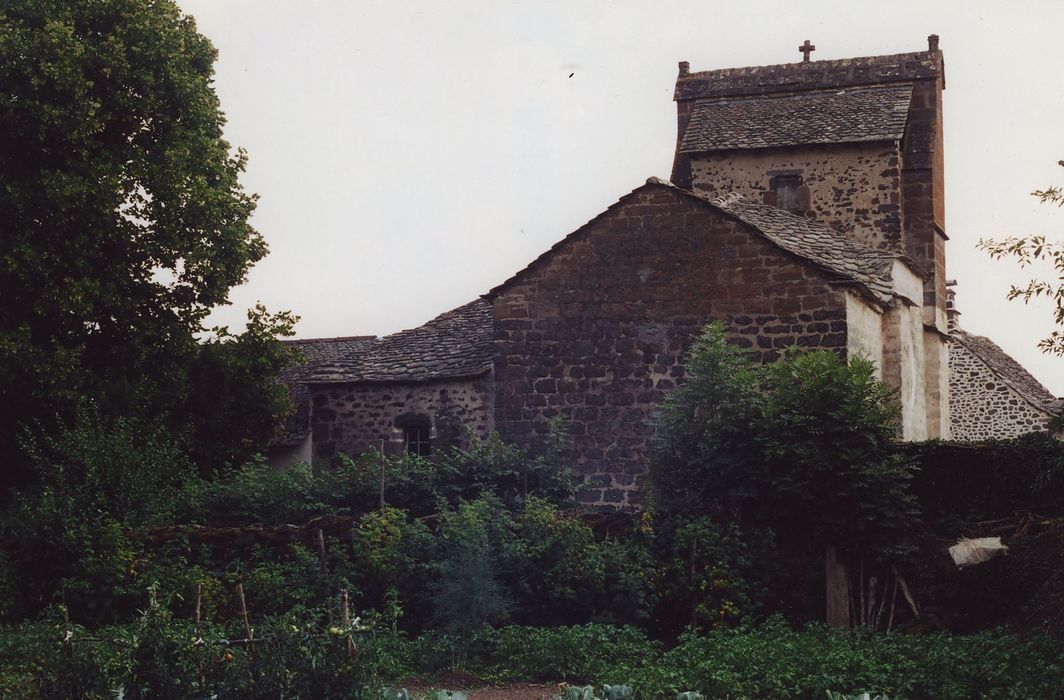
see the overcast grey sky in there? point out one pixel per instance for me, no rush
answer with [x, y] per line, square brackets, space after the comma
[411, 155]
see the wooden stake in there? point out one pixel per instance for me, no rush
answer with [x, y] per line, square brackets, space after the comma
[694, 587]
[861, 591]
[908, 595]
[244, 610]
[199, 656]
[346, 612]
[837, 590]
[893, 599]
[382, 474]
[321, 553]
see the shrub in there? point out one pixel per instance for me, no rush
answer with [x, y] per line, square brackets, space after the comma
[775, 661]
[584, 653]
[475, 541]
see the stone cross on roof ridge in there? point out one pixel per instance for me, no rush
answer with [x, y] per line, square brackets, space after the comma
[806, 49]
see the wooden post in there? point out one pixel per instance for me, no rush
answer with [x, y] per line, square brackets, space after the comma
[836, 589]
[199, 653]
[322, 560]
[346, 612]
[382, 474]
[893, 599]
[694, 584]
[861, 591]
[243, 609]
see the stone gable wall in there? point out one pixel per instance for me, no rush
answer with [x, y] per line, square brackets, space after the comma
[852, 188]
[598, 331]
[353, 418]
[982, 406]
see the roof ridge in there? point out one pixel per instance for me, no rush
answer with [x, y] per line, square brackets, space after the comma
[814, 63]
[806, 76]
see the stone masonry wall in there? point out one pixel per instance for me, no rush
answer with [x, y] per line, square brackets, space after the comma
[852, 188]
[598, 330]
[353, 418]
[982, 406]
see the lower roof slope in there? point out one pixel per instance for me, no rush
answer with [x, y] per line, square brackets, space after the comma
[453, 345]
[458, 343]
[316, 352]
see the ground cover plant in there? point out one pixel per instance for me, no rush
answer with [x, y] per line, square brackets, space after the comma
[125, 568]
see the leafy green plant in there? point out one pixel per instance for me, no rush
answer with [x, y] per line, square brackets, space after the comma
[468, 592]
[589, 653]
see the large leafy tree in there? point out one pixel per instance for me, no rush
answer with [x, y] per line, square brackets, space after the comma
[1028, 250]
[806, 447]
[123, 218]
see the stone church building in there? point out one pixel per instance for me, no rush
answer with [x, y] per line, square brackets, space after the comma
[805, 207]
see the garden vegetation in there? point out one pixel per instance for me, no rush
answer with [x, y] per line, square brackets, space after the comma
[147, 551]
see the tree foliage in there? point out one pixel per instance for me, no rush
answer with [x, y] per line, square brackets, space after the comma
[124, 221]
[805, 446]
[1028, 250]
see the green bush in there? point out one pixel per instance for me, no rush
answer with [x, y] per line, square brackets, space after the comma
[775, 661]
[805, 446]
[158, 656]
[475, 542]
[584, 653]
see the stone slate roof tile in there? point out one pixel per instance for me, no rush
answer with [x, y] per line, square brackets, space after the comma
[316, 352]
[828, 249]
[839, 116]
[821, 245]
[1009, 370]
[453, 345]
[813, 75]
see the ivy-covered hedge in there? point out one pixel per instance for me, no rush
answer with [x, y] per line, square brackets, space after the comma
[958, 483]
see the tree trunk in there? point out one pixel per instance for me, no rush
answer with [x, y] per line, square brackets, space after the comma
[837, 589]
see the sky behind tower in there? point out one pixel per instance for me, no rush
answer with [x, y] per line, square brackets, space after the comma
[410, 156]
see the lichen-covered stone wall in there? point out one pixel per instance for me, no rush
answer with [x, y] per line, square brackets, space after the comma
[598, 331]
[353, 418]
[854, 188]
[982, 406]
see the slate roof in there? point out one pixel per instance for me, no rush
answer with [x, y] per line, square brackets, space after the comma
[458, 344]
[821, 245]
[316, 352]
[814, 75]
[828, 249]
[1009, 370]
[837, 116]
[453, 345]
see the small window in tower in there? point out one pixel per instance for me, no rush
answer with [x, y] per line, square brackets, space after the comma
[418, 439]
[788, 192]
